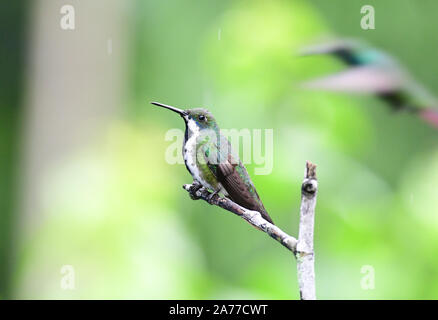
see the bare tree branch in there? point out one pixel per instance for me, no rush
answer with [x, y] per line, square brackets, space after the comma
[304, 252]
[302, 247]
[253, 217]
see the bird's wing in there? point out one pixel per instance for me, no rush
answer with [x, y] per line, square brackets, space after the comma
[365, 79]
[223, 165]
[430, 116]
[232, 175]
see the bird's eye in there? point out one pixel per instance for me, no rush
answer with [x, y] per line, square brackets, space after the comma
[202, 117]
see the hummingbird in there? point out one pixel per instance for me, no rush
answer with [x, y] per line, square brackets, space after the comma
[376, 72]
[211, 161]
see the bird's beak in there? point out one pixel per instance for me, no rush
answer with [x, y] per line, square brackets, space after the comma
[182, 113]
[328, 47]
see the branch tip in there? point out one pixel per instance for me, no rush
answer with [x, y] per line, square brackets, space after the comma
[310, 170]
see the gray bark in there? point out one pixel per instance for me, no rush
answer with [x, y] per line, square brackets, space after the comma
[304, 253]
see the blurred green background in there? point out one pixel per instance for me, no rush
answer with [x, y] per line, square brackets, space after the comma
[84, 182]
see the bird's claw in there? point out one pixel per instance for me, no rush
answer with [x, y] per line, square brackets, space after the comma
[211, 196]
[193, 189]
[197, 191]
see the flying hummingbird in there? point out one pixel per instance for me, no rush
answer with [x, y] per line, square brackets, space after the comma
[211, 161]
[374, 71]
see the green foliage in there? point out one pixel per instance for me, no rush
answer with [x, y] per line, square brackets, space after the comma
[115, 210]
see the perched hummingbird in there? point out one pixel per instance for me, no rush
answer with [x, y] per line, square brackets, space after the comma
[373, 71]
[211, 161]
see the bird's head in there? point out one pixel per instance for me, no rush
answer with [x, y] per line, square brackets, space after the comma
[196, 119]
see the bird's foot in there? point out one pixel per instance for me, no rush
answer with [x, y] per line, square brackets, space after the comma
[193, 189]
[210, 197]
